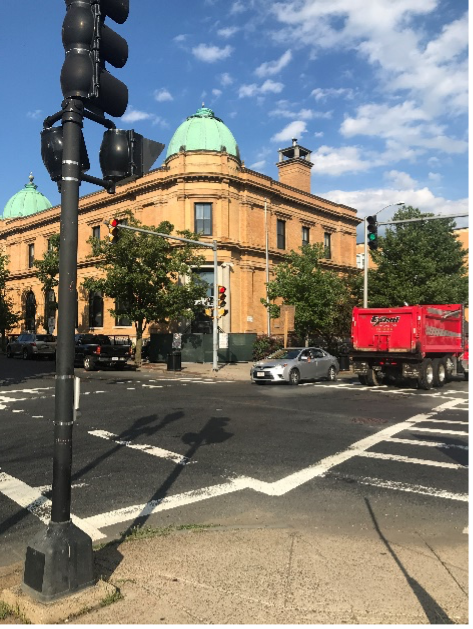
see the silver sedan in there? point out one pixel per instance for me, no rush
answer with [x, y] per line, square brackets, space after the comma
[294, 364]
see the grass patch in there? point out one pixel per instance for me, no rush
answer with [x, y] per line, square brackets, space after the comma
[6, 611]
[144, 532]
[111, 598]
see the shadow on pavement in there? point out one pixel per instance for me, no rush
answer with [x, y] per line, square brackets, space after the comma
[432, 609]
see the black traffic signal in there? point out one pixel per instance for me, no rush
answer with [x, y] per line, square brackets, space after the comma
[113, 230]
[372, 235]
[127, 154]
[51, 152]
[89, 44]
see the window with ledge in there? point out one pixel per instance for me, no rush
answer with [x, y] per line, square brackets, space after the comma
[328, 245]
[121, 319]
[305, 236]
[95, 309]
[30, 256]
[96, 232]
[281, 234]
[203, 218]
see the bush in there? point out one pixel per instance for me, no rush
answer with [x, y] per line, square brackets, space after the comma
[265, 345]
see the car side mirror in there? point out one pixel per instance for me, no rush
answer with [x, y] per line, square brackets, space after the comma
[303, 358]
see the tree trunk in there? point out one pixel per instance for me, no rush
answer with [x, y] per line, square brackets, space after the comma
[139, 344]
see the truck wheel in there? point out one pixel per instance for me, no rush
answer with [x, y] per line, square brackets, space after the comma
[89, 363]
[362, 380]
[440, 372]
[449, 367]
[372, 378]
[426, 378]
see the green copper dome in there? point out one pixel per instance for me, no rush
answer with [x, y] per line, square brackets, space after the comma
[26, 202]
[205, 132]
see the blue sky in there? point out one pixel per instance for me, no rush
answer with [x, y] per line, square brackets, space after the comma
[377, 89]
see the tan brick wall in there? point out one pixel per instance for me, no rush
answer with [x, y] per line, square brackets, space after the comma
[238, 196]
[295, 173]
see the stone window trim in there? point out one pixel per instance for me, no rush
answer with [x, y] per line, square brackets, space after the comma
[284, 216]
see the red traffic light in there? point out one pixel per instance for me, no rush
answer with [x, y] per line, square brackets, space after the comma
[113, 222]
[221, 289]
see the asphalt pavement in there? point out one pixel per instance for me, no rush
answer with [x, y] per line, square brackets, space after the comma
[322, 504]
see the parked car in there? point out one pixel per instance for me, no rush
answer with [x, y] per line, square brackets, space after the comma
[294, 364]
[32, 346]
[96, 350]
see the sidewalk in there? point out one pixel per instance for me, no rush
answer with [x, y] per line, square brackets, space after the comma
[226, 371]
[284, 575]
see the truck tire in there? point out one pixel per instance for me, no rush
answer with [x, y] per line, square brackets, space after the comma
[449, 366]
[89, 363]
[440, 372]
[372, 378]
[362, 379]
[426, 378]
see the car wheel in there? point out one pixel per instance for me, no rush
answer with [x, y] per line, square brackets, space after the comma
[332, 374]
[89, 363]
[440, 372]
[9, 354]
[25, 354]
[362, 379]
[294, 376]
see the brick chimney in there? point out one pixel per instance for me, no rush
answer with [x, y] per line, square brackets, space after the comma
[294, 166]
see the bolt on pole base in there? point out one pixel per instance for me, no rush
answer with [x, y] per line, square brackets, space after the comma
[59, 562]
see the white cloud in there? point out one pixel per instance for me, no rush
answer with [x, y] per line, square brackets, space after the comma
[268, 86]
[258, 165]
[216, 93]
[237, 7]
[435, 177]
[318, 134]
[134, 115]
[179, 39]
[400, 180]
[162, 95]
[34, 115]
[283, 111]
[323, 94]
[372, 200]
[293, 130]
[405, 123]
[269, 68]
[332, 161]
[228, 32]
[225, 79]
[211, 54]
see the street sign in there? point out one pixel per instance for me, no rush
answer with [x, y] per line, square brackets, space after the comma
[51, 324]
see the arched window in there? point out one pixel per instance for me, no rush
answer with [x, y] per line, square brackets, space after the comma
[30, 312]
[95, 309]
[50, 305]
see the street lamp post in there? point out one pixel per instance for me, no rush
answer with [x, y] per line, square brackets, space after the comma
[366, 257]
[266, 236]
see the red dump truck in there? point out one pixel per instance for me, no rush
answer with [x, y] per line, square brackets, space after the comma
[424, 346]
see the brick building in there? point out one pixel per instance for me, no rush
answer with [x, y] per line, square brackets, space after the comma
[202, 186]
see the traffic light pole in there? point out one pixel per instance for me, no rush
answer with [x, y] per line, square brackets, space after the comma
[366, 263]
[59, 561]
[215, 304]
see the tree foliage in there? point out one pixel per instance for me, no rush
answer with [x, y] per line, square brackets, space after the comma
[48, 268]
[8, 317]
[418, 263]
[321, 297]
[143, 273]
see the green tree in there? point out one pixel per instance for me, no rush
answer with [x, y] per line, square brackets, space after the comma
[143, 273]
[322, 300]
[47, 272]
[418, 263]
[8, 318]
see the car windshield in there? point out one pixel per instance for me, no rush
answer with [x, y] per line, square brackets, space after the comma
[283, 354]
[45, 337]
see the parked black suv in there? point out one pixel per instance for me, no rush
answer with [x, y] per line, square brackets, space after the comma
[93, 351]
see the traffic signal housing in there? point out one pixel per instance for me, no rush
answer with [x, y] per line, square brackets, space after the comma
[125, 154]
[113, 231]
[372, 234]
[221, 300]
[90, 44]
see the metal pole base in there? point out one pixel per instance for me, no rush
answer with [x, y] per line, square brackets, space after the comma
[59, 562]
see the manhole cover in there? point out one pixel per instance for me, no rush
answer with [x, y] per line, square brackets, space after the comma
[371, 421]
